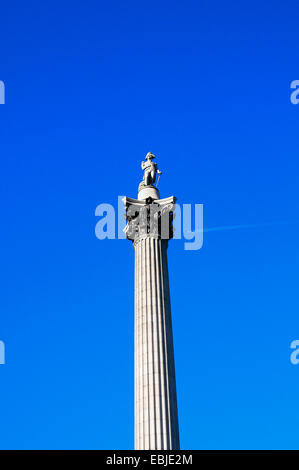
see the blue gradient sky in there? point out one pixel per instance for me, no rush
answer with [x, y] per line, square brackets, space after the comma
[91, 88]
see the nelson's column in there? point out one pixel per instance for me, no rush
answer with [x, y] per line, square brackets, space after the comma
[149, 226]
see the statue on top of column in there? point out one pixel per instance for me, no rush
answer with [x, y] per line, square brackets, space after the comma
[150, 170]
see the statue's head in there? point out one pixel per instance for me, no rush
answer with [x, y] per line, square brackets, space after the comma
[150, 156]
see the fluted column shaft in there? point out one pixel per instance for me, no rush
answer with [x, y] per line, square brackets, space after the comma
[156, 417]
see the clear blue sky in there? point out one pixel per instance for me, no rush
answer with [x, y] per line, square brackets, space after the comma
[91, 87]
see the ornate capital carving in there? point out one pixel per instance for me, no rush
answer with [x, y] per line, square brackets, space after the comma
[149, 218]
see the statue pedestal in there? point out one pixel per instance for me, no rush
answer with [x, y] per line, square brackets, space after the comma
[148, 191]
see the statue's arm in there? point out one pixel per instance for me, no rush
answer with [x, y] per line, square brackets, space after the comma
[142, 165]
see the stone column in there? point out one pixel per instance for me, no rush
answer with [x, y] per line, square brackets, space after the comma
[156, 417]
